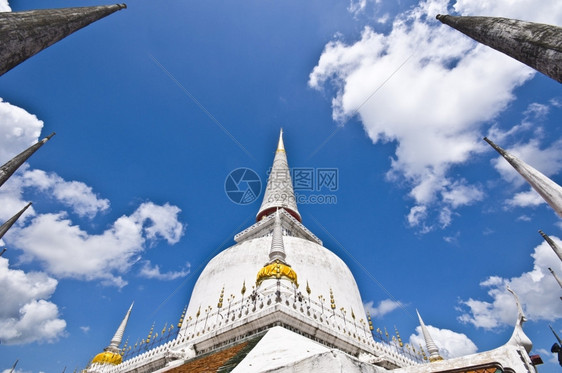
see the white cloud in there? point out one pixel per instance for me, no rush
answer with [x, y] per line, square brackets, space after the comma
[442, 88]
[153, 272]
[454, 239]
[525, 199]
[417, 214]
[384, 307]
[18, 130]
[461, 194]
[450, 343]
[85, 329]
[518, 9]
[67, 251]
[536, 289]
[4, 6]
[25, 314]
[74, 194]
[359, 6]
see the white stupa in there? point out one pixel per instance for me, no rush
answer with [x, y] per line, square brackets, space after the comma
[279, 301]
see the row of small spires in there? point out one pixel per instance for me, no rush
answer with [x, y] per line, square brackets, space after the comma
[151, 337]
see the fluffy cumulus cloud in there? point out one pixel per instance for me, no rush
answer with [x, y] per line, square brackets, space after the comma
[384, 307]
[57, 242]
[4, 6]
[18, 130]
[536, 289]
[67, 251]
[26, 315]
[153, 272]
[450, 343]
[429, 89]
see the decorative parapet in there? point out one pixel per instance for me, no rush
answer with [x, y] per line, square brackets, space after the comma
[212, 329]
[291, 226]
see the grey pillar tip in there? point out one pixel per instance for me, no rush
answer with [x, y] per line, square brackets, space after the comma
[440, 16]
[122, 6]
[496, 147]
[51, 135]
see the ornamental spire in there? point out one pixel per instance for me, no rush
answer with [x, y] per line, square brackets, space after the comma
[279, 190]
[111, 355]
[13, 164]
[552, 244]
[277, 251]
[24, 34]
[430, 345]
[534, 44]
[118, 337]
[548, 189]
[7, 225]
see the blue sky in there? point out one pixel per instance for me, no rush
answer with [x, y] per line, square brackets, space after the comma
[155, 105]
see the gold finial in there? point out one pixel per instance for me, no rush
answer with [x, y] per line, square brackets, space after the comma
[352, 314]
[198, 312]
[371, 322]
[332, 301]
[164, 328]
[219, 305]
[308, 288]
[243, 288]
[398, 336]
[280, 145]
[385, 332]
[150, 332]
[182, 317]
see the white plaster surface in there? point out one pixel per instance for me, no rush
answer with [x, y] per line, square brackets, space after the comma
[315, 264]
[279, 347]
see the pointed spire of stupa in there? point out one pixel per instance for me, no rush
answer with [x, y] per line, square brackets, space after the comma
[429, 344]
[552, 244]
[534, 44]
[111, 354]
[13, 164]
[24, 34]
[277, 251]
[548, 189]
[118, 337]
[8, 224]
[279, 190]
[555, 277]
